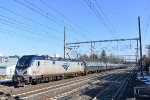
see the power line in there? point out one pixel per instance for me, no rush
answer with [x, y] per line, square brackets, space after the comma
[33, 21]
[47, 16]
[147, 26]
[24, 36]
[102, 19]
[66, 17]
[28, 26]
[44, 34]
[97, 13]
[113, 30]
[148, 20]
[27, 30]
[46, 39]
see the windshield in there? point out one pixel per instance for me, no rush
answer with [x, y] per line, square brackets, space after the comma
[24, 61]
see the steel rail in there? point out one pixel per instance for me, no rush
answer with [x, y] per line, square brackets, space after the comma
[110, 86]
[69, 93]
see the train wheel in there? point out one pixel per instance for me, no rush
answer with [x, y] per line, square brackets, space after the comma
[55, 78]
[34, 81]
[48, 79]
[38, 80]
[26, 82]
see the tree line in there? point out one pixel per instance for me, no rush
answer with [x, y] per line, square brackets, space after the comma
[146, 59]
[101, 58]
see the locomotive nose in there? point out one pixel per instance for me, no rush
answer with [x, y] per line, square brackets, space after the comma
[21, 72]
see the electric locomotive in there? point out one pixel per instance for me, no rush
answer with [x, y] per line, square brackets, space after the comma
[38, 69]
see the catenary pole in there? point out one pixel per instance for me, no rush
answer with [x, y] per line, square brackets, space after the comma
[140, 45]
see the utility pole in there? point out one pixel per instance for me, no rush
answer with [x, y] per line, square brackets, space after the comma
[64, 42]
[140, 45]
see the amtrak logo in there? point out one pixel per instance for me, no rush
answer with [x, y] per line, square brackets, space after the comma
[65, 66]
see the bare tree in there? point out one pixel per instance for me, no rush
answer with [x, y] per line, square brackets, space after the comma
[84, 57]
[148, 52]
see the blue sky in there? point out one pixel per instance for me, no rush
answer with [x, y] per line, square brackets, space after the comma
[36, 26]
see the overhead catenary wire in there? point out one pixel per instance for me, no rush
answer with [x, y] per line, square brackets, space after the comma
[47, 16]
[31, 20]
[99, 16]
[41, 34]
[148, 22]
[30, 30]
[11, 24]
[36, 29]
[147, 26]
[113, 30]
[89, 34]
[40, 38]
[13, 33]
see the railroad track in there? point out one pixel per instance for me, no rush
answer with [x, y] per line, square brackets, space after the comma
[68, 93]
[57, 88]
[28, 88]
[93, 88]
[82, 88]
[111, 90]
[6, 87]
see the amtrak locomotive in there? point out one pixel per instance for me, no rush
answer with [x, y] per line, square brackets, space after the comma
[38, 69]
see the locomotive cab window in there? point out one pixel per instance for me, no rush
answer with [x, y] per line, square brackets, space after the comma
[38, 63]
[53, 62]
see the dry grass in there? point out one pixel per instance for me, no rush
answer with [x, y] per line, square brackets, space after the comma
[2, 77]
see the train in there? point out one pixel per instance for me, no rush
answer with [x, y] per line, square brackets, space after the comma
[34, 69]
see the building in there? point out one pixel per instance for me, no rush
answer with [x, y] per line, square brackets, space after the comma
[7, 68]
[3, 59]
